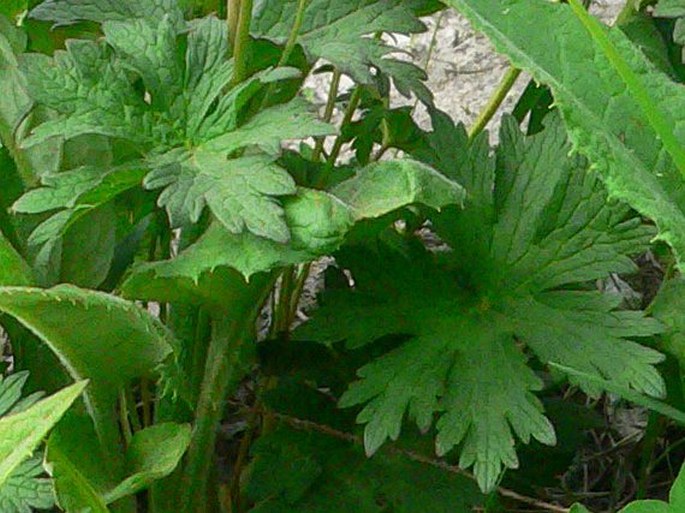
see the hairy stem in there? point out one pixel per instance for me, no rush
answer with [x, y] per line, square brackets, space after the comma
[225, 366]
[241, 46]
[495, 101]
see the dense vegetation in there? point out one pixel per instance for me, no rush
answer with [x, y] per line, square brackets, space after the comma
[169, 198]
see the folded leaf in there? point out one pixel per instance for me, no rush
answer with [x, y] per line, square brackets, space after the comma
[21, 432]
[153, 453]
[70, 321]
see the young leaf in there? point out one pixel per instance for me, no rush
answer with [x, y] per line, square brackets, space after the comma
[386, 186]
[605, 119]
[318, 224]
[27, 488]
[534, 226]
[21, 432]
[152, 454]
[338, 35]
[186, 123]
[71, 322]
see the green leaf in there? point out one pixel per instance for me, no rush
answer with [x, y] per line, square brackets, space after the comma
[91, 91]
[311, 472]
[152, 454]
[27, 488]
[673, 9]
[13, 269]
[622, 391]
[78, 463]
[606, 120]
[75, 491]
[21, 432]
[87, 248]
[64, 12]
[70, 321]
[318, 223]
[14, 107]
[668, 307]
[386, 186]
[150, 50]
[185, 121]
[239, 192]
[536, 225]
[339, 35]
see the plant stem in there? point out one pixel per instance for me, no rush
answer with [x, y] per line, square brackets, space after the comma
[288, 49]
[123, 418]
[328, 112]
[232, 15]
[347, 118]
[225, 366]
[241, 46]
[294, 33]
[495, 101]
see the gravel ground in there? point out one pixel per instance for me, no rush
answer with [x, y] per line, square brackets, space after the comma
[463, 68]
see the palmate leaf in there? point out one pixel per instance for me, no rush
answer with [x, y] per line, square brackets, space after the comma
[186, 122]
[503, 284]
[336, 31]
[604, 115]
[27, 489]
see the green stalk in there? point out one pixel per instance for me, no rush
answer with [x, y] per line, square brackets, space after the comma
[225, 366]
[294, 33]
[242, 42]
[328, 112]
[637, 89]
[495, 101]
[289, 47]
[232, 15]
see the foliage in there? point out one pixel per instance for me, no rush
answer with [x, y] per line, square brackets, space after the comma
[466, 310]
[170, 201]
[26, 486]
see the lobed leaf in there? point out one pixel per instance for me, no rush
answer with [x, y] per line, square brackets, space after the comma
[465, 314]
[605, 118]
[339, 33]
